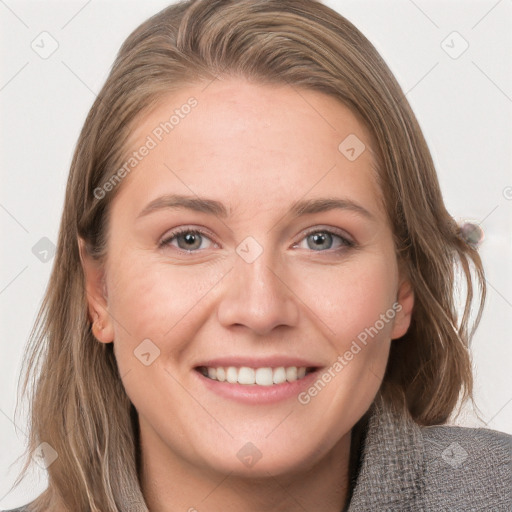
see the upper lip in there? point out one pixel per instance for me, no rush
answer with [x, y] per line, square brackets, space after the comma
[258, 362]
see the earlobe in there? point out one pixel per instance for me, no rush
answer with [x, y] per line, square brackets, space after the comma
[405, 298]
[102, 326]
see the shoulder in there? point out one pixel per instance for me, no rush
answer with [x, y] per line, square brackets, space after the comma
[459, 447]
[473, 465]
[408, 467]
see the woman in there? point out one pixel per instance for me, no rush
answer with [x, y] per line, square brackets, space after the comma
[252, 300]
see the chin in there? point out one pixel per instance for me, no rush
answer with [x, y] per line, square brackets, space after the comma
[263, 468]
[261, 460]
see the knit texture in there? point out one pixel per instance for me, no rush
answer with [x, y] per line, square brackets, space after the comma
[406, 467]
[402, 467]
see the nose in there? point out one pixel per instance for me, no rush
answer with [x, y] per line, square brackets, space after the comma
[257, 295]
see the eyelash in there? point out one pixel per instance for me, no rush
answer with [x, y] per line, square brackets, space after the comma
[345, 242]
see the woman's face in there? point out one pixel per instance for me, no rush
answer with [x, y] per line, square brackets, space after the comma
[248, 243]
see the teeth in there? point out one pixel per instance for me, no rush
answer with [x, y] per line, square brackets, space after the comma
[221, 374]
[291, 373]
[246, 375]
[262, 376]
[232, 375]
[279, 375]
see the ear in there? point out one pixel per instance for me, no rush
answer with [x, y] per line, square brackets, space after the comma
[404, 307]
[102, 325]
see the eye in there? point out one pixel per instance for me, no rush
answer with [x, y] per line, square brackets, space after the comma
[319, 240]
[189, 240]
[325, 239]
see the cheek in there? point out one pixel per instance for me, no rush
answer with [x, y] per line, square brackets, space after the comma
[354, 298]
[149, 299]
[152, 301]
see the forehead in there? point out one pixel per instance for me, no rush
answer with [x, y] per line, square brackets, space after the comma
[251, 145]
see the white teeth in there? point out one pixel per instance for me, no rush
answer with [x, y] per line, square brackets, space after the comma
[291, 373]
[246, 375]
[232, 375]
[262, 376]
[280, 375]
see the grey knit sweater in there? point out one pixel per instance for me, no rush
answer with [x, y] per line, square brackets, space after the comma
[405, 467]
[398, 466]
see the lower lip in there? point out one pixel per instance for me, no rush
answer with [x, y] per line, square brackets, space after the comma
[256, 394]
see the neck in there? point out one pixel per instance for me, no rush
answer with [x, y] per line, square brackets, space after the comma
[170, 484]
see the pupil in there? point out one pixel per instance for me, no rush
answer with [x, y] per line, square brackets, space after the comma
[190, 241]
[319, 238]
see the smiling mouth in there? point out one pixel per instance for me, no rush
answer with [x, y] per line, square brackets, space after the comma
[247, 376]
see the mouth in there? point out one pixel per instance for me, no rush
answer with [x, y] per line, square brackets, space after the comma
[262, 376]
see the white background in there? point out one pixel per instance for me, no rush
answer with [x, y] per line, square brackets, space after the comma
[463, 105]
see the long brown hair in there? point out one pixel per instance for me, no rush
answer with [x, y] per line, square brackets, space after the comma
[77, 401]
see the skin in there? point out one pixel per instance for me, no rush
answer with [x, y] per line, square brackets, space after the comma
[257, 149]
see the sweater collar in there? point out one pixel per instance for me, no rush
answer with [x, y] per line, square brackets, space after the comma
[391, 462]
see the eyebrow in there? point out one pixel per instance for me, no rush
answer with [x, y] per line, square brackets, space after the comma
[213, 207]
